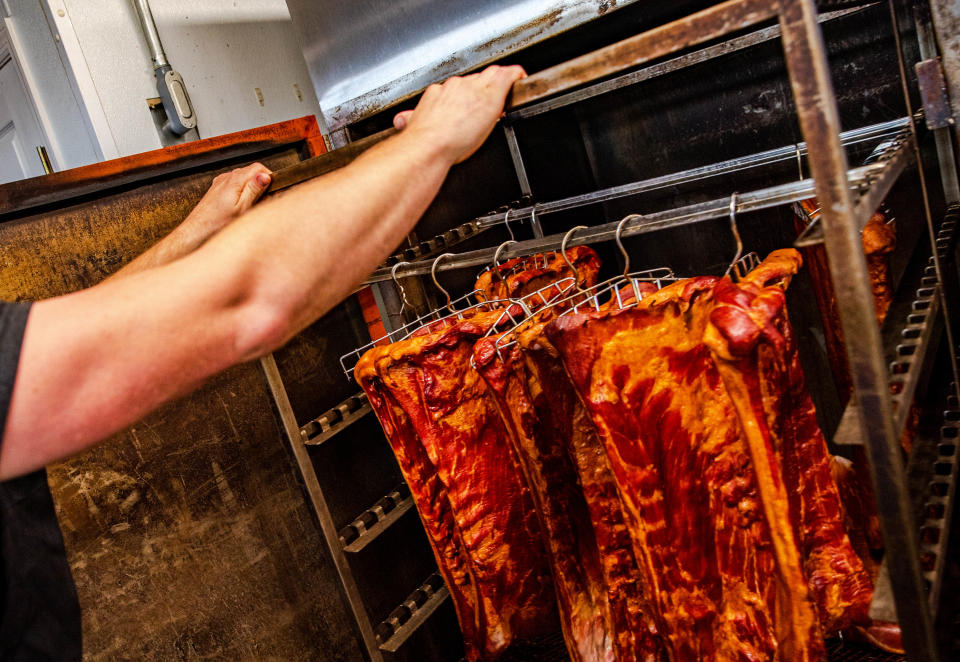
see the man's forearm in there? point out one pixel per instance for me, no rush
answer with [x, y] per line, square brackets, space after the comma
[305, 251]
[229, 196]
[130, 344]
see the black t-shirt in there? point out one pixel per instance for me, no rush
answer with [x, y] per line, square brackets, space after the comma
[39, 612]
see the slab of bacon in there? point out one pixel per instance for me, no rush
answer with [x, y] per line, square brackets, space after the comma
[520, 277]
[655, 465]
[594, 571]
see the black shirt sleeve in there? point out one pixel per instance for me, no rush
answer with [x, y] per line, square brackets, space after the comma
[39, 613]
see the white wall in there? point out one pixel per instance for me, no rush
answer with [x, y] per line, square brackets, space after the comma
[224, 49]
[69, 133]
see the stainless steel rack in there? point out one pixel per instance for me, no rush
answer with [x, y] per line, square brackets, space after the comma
[376, 519]
[328, 424]
[848, 196]
[865, 180]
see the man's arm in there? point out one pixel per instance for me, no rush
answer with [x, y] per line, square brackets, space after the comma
[229, 196]
[97, 360]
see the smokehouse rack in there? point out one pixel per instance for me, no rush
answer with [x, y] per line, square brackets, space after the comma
[680, 138]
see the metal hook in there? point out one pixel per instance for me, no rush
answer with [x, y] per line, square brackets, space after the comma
[623, 251]
[799, 161]
[433, 275]
[563, 254]
[496, 257]
[403, 293]
[534, 223]
[735, 231]
[506, 223]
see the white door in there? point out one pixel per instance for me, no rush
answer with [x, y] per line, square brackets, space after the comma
[20, 132]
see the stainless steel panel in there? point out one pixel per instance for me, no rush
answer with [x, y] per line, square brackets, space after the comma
[366, 55]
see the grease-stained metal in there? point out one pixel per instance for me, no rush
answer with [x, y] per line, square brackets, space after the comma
[820, 123]
[933, 94]
[663, 40]
[367, 55]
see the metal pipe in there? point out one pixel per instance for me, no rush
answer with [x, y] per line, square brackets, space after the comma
[150, 33]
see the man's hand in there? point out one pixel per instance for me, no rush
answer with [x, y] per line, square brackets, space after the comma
[459, 114]
[229, 196]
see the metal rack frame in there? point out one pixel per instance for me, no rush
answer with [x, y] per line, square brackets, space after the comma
[847, 198]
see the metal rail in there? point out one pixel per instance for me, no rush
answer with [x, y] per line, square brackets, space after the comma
[859, 179]
[939, 504]
[675, 64]
[376, 519]
[916, 338]
[817, 111]
[411, 614]
[331, 537]
[691, 175]
[697, 28]
[335, 420]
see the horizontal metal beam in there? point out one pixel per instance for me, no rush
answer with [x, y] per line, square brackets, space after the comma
[662, 68]
[664, 40]
[718, 208]
[335, 420]
[697, 28]
[414, 612]
[376, 519]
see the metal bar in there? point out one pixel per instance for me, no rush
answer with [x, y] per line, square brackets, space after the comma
[312, 485]
[375, 520]
[896, 155]
[703, 211]
[945, 155]
[656, 70]
[327, 162]
[332, 422]
[414, 612]
[689, 31]
[917, 331]
[819, 120]
[692, 175]
[935, 532]
[697, 28]
[521, 171]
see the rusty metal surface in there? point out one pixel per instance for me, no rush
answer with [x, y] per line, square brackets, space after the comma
[946, 23]
[819, 121]
[675, 36]
[99, 178]
[702, 26]
[933, 94]
[187, 533]
[367, 55]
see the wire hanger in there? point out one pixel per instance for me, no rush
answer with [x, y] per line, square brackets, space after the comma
[402, 292]
[506, 223]
[496, 258]
[433, 275]
[735, 231]
[533, 222]
[623, 251]
[563, 254]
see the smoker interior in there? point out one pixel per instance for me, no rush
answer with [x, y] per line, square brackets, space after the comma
[726, 107]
